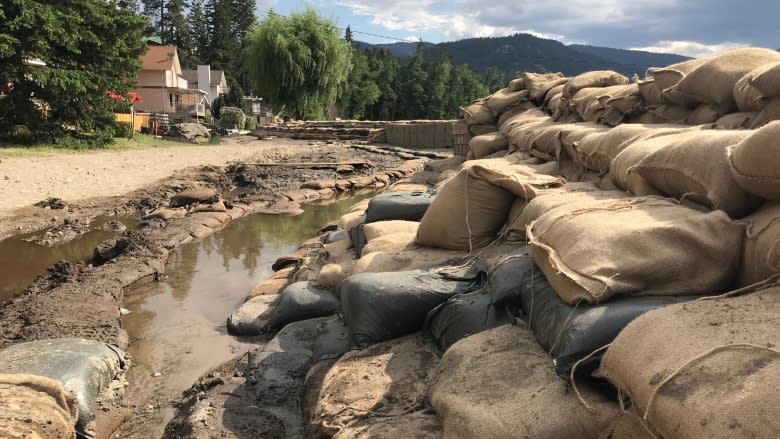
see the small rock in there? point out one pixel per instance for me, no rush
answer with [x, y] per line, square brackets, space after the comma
[157, 374]
[124, 312]
[6, 178]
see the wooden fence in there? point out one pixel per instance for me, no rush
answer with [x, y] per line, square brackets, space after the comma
[141, 119]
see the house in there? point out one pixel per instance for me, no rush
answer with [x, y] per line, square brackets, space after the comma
[213, 82]
[163, 88]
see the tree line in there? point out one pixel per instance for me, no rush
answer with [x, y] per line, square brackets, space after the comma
[60, 62]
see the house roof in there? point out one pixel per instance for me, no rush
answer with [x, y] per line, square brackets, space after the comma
[191, 76]
[161, 58]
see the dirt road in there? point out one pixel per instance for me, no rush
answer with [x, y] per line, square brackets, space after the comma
[26, 180]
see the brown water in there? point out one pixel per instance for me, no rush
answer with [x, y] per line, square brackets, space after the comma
[177, 327]
[21, 261]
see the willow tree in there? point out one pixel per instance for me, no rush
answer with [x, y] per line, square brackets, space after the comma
[299, 62]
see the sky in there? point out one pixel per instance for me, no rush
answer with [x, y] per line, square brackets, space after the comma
[686, 27]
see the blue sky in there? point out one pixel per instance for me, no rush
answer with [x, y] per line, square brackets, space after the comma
[687, 27]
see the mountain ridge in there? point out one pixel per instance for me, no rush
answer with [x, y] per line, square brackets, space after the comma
[524, 52]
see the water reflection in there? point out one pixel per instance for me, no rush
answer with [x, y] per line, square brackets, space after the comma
[21, 261]
[177, 326]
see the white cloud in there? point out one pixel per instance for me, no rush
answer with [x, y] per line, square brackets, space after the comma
[264, 5]
[691, 48]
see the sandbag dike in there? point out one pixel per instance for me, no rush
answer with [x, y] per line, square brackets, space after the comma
[83, 299]
[611, 216]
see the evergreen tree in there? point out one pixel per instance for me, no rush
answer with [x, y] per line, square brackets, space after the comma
[176, 30]
[243, 18]
[89, 48]
[155, 10]
[222, 49]
[199, 32]
[348, 35]
[495, 79]
[300, 62]
[360, 90]
[412, 94]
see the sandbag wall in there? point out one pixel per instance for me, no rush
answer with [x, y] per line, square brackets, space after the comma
[420, 134]
[602, 233]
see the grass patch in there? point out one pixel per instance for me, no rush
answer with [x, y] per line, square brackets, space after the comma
[139, 141]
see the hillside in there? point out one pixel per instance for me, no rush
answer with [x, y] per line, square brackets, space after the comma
[525, 52]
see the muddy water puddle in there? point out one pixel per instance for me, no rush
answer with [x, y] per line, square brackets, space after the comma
[21, 260]
[177, 327]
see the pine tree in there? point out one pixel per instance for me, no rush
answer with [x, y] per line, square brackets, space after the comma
[348, 35]
[177, 31]
[222, 49]
[155, 10]
[199, 32]
[243, 18]
[89, 48]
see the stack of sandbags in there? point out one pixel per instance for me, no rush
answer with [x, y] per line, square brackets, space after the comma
[707, 368]
[713, 81]
[471, 209]
[646, 245]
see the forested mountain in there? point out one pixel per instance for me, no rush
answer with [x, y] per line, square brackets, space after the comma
[525, 52]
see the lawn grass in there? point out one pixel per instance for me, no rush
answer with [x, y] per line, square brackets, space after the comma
[139, 141]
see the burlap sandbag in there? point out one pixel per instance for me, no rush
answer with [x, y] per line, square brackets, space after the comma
[703, 369]
[394, 242]
[747, 97]
[517, 84]
[521, 136]
[753, 162]
[522, 118]
[379, 229]
[481, 146]
[625, 98]
[703, 114]
[590, 103]
[554, 104]
[439, 166]
[736, 121]
[384, 380]
[416, 425]
[766, 79]
[671, 113]
[478, 113]
[538, 84]
[761, 253]
[546, 144]
[501, 100]
[577, 132]
[646, 117]
[500, 384]
[558, 89]
[668, 76]
[571, 195]
[351, 219]
[470, 209]
[597, 78]
[769, 112]
[35, 407]
[510, 233]
[650, 92]
[646, 245]
[695, 165]
[478, 130]
[713, 82]
[514, 111]
[597, 150]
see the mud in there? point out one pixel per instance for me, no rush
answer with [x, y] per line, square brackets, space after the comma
[83, 299]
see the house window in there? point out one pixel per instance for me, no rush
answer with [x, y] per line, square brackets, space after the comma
[170, 99]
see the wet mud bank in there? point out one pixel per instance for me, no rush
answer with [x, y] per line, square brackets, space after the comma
[85, 299]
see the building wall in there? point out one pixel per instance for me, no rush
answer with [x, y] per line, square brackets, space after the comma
[156, 100]
[157, 78]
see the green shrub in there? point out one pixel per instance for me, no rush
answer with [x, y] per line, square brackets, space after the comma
[232, 117]
[122, 129]
[251, 123]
